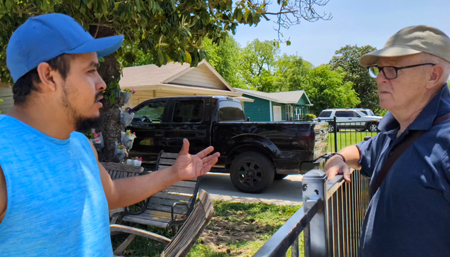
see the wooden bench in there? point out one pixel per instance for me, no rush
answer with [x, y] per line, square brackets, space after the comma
[186, 236]
[119, 170]
[168, 208]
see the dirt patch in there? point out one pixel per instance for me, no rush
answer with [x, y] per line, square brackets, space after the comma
[220, 233]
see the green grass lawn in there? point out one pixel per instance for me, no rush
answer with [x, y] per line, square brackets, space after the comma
[237, 229]
[346, 138]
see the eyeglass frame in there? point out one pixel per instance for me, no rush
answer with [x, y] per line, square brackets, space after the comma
[396, 69]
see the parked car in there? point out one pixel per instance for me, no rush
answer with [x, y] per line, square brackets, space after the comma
[349, 119]
[254, 153]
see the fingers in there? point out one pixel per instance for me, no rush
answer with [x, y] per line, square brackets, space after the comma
[212, 159]
[347, 174]
[205, 152]
[331, 173]
[185, 147]
[340, 168]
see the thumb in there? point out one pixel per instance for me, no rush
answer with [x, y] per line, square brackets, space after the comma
[185, 147]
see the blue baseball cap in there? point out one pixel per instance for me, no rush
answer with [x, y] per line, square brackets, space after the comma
[44, 37]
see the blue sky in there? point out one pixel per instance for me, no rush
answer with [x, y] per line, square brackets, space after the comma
[355, 22]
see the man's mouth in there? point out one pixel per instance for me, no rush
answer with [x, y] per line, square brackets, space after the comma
[99, 101]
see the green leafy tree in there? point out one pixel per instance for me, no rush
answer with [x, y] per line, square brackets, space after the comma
[326, 88]
[225, 59]
[258, 60]
[347, 59]
[291, 72]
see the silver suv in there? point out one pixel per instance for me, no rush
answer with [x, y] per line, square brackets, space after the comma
[349, 119]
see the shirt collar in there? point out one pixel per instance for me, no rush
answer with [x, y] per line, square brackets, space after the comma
[438, 106]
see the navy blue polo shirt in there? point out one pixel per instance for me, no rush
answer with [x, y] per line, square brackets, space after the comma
[409, 215]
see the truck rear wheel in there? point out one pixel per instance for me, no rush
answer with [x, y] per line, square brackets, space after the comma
[280, 176]
[252, 172]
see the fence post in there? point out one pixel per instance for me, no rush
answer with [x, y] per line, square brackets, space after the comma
[316, 233]
[335, 134]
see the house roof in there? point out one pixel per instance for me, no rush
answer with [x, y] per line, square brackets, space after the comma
[289, 97]
[147, 75]
[150, 75]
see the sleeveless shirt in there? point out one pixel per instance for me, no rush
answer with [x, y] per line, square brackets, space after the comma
[56, 205]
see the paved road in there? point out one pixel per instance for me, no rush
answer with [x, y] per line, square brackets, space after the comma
[286, 191]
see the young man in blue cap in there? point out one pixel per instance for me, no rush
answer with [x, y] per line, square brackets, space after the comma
[409, 213]
[54, 194]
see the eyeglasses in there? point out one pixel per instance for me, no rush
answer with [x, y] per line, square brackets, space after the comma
[391, 72]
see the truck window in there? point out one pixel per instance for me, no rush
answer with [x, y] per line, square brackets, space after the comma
[325, 114]
[188, 111]
[230, 111]
[150, 113]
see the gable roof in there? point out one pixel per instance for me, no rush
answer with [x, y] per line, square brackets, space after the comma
[171, 74]
[288, 97]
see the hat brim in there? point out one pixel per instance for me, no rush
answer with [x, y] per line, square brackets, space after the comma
[102, 46]
[372, 58]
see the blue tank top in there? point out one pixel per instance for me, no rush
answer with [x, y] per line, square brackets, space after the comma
[56, 203]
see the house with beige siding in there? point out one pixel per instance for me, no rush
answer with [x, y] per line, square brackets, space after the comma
[175, 79]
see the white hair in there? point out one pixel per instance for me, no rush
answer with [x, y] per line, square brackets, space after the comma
[426, 57]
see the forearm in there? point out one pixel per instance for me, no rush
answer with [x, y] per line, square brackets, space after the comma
[351, 155]
[129, 191]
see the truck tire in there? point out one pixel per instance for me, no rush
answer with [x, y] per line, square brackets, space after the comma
[280, 176]
[252, 172]
[330, 128]
[372, 127]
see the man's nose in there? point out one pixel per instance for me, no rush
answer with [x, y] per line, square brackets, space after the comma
[101, 85]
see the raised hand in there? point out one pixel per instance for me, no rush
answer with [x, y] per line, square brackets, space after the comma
[189, 166]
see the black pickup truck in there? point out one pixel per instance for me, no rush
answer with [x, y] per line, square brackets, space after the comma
[254, 153]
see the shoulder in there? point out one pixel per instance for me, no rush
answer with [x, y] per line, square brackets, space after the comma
[3, 195]
[84, 141]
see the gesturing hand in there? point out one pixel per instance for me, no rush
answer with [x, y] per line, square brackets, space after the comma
[189, 166]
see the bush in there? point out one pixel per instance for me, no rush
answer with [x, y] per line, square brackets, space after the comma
[310, 117]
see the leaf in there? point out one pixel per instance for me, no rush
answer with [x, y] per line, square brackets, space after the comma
[160, 57]
[239, 15]
[187, 57]
[288, 43]
[138, 4]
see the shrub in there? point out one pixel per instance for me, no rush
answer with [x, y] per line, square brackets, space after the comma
[310, 117]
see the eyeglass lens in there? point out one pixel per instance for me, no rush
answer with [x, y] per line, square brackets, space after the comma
[388, 72]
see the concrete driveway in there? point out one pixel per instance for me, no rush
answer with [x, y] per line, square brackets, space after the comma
[287, 191]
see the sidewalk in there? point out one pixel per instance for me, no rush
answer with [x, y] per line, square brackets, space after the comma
[282, 192]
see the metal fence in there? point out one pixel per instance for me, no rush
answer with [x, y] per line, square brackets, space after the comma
[331, 218]
[343, 134]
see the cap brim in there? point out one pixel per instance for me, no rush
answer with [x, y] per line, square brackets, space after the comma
[102, 46]
[372, 58]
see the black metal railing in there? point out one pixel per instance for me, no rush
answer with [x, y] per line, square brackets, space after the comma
[331, 218]
[343, 134]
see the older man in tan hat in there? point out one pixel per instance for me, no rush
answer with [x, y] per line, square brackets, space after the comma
[408, 162]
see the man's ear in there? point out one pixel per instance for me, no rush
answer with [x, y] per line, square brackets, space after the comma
[435, 78]
[48, 77]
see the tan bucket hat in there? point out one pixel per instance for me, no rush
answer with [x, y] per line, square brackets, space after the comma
[412, 40]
